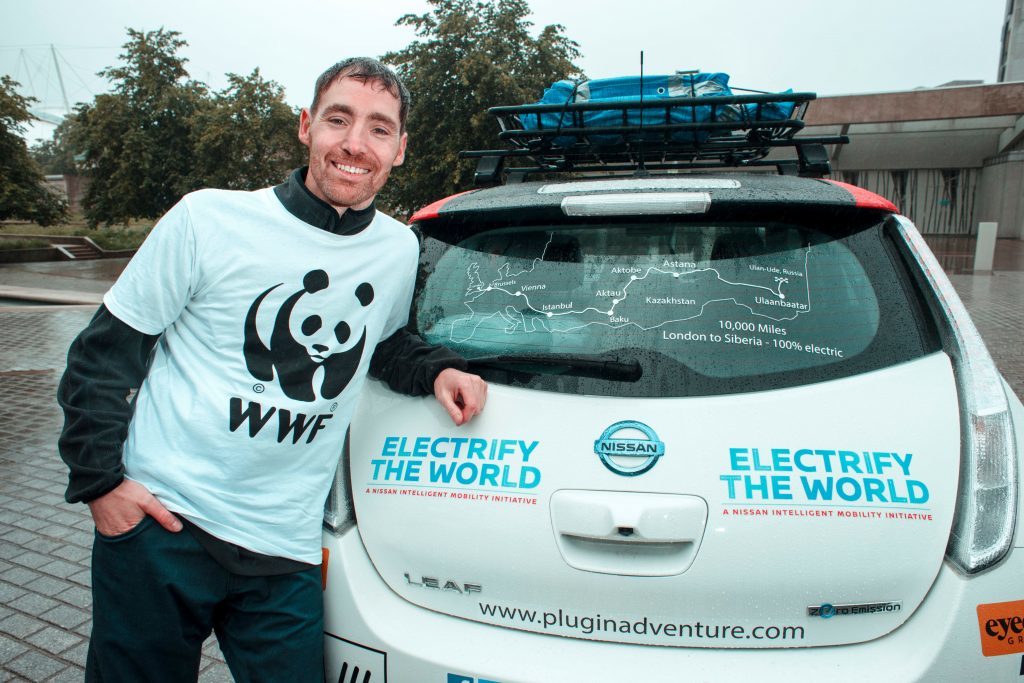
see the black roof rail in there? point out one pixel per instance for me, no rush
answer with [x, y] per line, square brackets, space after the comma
[722, 131]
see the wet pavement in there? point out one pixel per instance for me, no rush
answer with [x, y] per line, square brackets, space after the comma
[45, 602]
[45, 543]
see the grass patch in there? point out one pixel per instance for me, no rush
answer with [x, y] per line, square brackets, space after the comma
[12, 245]
[117, 239]
[114, 238]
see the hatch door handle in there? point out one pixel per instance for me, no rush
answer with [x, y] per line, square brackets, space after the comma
[630, 533]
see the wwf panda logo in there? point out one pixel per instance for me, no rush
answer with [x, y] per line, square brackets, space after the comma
[301, 344]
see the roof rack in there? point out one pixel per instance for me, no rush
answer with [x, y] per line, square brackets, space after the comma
[722, 131]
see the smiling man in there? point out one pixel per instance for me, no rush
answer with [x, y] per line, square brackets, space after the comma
[248, 321]
[348, 166]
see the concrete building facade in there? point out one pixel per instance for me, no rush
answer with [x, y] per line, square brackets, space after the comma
[1011, 57]
[948, 157]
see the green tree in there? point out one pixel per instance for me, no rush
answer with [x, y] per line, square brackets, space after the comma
[22, 192]
[471, 56]
[245, 137]
[136, 140]
[56, 156]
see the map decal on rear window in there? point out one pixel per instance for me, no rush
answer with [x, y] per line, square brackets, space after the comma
[643, 295]
[669, 309]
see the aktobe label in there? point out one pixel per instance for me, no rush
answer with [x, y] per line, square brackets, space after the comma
[454, 463]
[1001, 626]
[827, 477]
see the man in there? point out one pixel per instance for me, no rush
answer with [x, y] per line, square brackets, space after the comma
[250, 320]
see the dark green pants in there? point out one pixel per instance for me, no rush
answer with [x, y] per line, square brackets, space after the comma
[157, 595]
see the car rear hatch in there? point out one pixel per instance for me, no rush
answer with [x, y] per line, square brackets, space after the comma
[732, 428]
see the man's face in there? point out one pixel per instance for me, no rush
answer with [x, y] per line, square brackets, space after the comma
[354, 141]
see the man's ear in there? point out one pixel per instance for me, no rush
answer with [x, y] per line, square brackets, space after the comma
[400, 159]
[305, 120]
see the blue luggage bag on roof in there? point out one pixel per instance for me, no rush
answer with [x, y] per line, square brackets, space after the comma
[627, 88]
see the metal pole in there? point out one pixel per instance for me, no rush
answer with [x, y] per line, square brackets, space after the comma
[984, 251]
[60, 79]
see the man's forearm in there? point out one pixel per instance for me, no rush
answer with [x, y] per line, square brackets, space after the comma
[106, 361]
[410, 365]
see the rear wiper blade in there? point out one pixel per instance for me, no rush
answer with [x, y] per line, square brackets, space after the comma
[613, 368]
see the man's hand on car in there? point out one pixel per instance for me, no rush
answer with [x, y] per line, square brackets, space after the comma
[460, 393]
[121, 509]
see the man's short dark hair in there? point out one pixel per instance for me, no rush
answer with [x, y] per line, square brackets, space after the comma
[365, 69]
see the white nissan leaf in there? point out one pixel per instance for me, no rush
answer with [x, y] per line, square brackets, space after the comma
[739, 427]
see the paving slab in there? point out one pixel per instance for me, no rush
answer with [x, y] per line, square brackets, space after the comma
[34, 665]
[50, 296]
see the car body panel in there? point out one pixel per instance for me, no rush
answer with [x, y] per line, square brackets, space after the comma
[742, 190]
[881, 447]
[941, 641]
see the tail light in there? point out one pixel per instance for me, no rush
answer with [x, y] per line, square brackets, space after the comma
[339, 513]
[986, 508]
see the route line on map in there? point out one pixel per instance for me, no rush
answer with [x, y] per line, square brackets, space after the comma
[513, 321]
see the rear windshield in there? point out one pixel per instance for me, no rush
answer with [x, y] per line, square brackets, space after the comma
[669, 309]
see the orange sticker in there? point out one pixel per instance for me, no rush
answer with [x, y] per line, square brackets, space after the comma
[323, 568]
[1002, 628]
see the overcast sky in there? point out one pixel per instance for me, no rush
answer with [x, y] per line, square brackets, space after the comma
[809, 45]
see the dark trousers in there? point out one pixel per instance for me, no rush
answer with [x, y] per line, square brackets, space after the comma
[157, 595]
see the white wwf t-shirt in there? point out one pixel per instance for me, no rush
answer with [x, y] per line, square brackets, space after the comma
[268, 328]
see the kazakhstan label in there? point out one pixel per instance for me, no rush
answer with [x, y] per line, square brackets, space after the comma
[456, 462]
